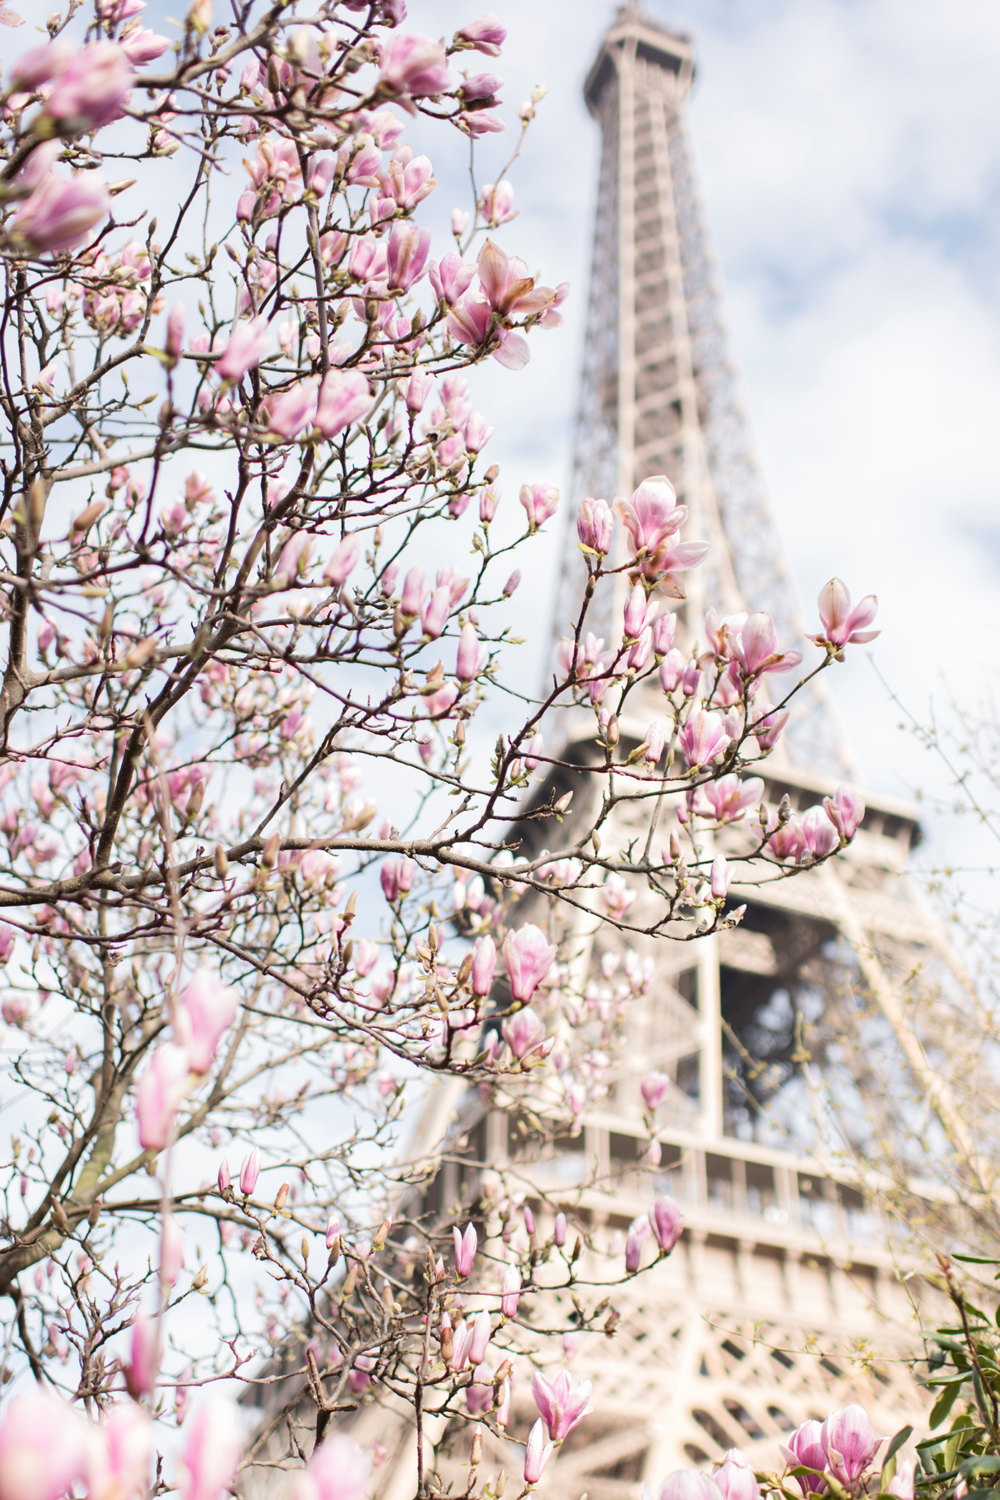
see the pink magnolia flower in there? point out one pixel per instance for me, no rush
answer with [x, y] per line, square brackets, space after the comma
[652, 515]
[787, 841]
[666, 1222]
[767, 730]
[406, 255]
[484, 960]
[633, 1247]
[451, 279]
[806, 1449]
[754, 645]
[595, 525]
[91, 90]
[119, 1454]
[537, 1452]
[211, 1454]
[663, 633]
[247, 346]
[411, 596]
[656, 740]
[343, 561]
[436, 612]
[408, 179]
[703, 738]
[496, 201]
[60, 213]
[902, 1482]
[818, 833]
[641, 651]
[174, 343]
[162, 1089]
[845, 809]
[849, 1442]
[728, 799]
[338, 1470]
[486, 35]
[470, 658]
[285, 413]
[144, 46]
[561, 1402]
[480, 1340]
[42, 1448]
[634, 616]
[720, 877]
[525, 1033]
[396, 876]
[144, 1356]
[540, 501]
[688, 1484]
[249, 1172]
[843, 625]
[654, 1088]
[466, 1244]
[414, 65]
[527, 955]
[461, 1350]
[205, 1010]
[511, 1290]
[672, 558]
[344, 397]
[506, 285]
[418, 388]
[735, 1477]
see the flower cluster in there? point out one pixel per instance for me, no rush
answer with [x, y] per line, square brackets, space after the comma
[830, 1457]
[259, 876]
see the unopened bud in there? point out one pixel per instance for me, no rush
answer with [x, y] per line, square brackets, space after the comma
[269, 853]
[221, 862]
[281, 1197]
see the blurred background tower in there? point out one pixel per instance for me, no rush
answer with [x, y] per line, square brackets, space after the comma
[774, 1035]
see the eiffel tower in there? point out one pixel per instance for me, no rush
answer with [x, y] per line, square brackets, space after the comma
[782, 1301]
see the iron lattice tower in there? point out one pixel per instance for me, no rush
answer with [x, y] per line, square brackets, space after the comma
[782, 1250]
[784, 1269]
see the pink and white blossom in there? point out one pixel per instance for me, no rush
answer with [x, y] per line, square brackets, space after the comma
[528, 956]
[562, 1402]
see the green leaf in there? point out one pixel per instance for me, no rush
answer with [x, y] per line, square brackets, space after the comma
[902, 1436]
[944, 1403]
[978, 1260]
[984, 1463]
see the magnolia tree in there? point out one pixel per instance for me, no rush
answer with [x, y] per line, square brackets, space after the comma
[257, 876]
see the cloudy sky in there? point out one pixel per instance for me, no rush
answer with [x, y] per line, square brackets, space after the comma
[849, 156]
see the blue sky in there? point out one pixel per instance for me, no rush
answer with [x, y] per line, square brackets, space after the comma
[849, 156]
